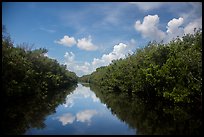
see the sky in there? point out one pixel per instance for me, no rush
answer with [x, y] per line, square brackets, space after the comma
[87, 35]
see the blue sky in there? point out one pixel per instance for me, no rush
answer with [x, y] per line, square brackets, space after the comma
[87, 35]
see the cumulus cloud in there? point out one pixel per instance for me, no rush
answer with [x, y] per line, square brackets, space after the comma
[84, 67]
[86, 44]
[69, 56]
[149, 28]
[119, 51]
[86, 115]
[67, 118]
[67, 41]
[83, 43]
[147, 5]
[77, 67]
[192, 25]
[174, 28]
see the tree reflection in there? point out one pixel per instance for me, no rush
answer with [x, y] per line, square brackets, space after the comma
[85, 84]
[30, 112]
[152, 117]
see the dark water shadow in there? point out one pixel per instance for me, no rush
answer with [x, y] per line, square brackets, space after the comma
[152, 116]
[22, 113]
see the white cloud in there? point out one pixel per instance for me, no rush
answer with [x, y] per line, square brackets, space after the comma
[174, 24]
[69, 101]
[94, 98]
[67, 41]
[174, 28]
[86, 44]
[194, 24]
[85, 67]
[69, 56]
[83, 116]
[149, 28]
[80, 92]
[147, 5]
[45, 54]
[73, 65]
[86, 115]
[119, 51]
[67, 118]
[84, 92]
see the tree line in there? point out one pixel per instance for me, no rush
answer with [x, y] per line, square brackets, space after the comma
[171, 71]
[27, 72]
[33, 85]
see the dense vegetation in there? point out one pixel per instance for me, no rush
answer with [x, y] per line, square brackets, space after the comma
[31, 83]
[159, 86]
[29, 72]
[170, 71]
[84, 78]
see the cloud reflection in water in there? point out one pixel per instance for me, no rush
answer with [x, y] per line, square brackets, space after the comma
[80, 92]
[85, 116]
[66, 118]
[82, 116]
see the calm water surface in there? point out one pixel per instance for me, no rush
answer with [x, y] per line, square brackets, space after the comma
[82, 113]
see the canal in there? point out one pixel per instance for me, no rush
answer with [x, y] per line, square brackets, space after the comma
[82, 113]
[85, 109]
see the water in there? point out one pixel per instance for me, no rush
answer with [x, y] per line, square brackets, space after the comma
[88, 110]
[82, 113]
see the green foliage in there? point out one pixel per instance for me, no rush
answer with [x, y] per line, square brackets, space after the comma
[32, 86]
[29, 72]
[85, 79]
[170, 71]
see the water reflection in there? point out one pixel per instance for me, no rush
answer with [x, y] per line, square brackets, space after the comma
[82, 113]
[20, 114]
[83, 116]
[86, 115]
[80, 92]
[151, 117]
[66, 118]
